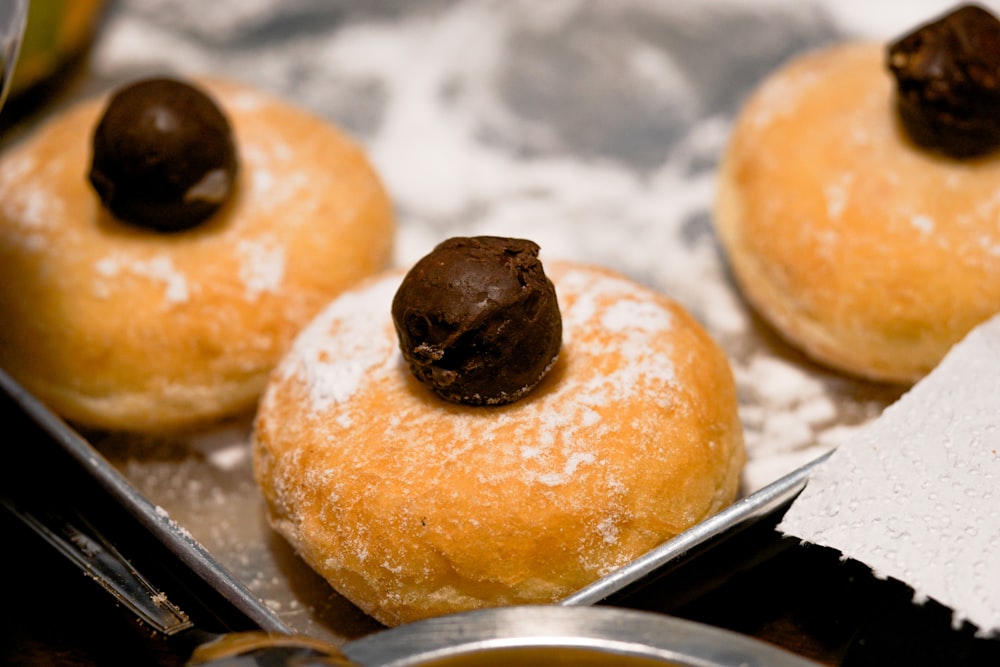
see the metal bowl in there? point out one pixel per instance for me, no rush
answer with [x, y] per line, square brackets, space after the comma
[551, 635]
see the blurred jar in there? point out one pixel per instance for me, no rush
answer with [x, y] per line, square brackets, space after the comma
[57, 32]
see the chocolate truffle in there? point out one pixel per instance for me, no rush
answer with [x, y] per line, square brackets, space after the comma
[948, 82]
[478, 321]
[163, 155]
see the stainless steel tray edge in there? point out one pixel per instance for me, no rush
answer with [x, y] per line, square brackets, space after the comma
[177, 540]
[744, 511]
[193, 554]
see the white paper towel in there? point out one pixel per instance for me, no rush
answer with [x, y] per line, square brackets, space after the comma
[914, 495]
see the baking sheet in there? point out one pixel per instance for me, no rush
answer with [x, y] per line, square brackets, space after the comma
[592, 128]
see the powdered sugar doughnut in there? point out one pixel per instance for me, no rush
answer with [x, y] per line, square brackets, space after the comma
[119, 327]
[870, 253]
[411, 506]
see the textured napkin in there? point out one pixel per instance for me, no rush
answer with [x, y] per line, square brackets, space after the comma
[915, 495]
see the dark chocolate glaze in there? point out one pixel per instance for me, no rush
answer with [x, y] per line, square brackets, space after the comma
[478, 320]
[948, 82]
[164, 155]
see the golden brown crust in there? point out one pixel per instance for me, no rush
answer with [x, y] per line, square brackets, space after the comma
[413, 507]
[872, 255]
[116, 327]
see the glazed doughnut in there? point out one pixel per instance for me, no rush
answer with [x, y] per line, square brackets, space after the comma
[120, 327]
[411, 506]
[872, 254]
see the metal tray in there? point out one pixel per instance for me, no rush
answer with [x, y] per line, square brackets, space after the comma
[192, 554]
[733, 572]
[766, 503]
[593, 128]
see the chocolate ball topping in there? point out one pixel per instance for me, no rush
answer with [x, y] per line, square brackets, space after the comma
[948, 82]
[164, 155]
[478, 321]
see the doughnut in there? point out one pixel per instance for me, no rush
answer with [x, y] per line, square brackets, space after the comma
[863, 243]
[414, 506]
[167, 327]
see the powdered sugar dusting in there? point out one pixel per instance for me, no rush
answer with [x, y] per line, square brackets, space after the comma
[779, 96]
[245, 101]
[159, 268]
[25, 203]
[262, 265]
[837, 194]
[922, 223]
[345, 343]
[560, 477]
[274, 175]
[31, 207]
[262, 180]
